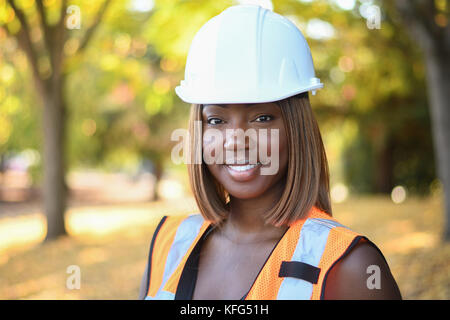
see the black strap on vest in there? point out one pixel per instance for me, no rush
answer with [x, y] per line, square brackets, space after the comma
[188, 278]
[299, 270]
[149, 263]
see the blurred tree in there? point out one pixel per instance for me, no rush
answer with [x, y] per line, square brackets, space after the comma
[41, 34]
[123, 92]
[373, 94]
[121, 107]
[429, 26]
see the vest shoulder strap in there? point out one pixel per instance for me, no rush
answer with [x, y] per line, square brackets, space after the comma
[172, 242]
[340, 241]
[299, 264]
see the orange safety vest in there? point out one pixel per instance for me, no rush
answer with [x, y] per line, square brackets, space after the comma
[296, 269]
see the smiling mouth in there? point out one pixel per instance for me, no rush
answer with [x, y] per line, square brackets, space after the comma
[242, 168]
[243, 172]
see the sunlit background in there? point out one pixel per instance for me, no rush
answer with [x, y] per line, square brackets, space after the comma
[118, 66]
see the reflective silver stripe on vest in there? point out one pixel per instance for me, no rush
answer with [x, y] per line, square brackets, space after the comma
[309, 249]
[162, 295]
[185, 236]
[329, 222]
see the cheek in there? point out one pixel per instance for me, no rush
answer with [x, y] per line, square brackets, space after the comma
[212, 146]
[277, 154]
[274, 144]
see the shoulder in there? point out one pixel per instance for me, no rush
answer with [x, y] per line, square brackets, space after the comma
[362, 274]
[177, 228]
[173, 222]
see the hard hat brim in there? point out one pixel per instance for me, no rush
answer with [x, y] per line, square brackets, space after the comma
[217, 98]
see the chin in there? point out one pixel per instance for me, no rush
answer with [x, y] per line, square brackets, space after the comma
[250, 187]
[245, 195]
[246, 190]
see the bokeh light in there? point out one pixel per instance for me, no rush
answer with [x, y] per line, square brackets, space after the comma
[398, 194]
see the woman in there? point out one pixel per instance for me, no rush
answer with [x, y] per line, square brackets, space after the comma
[265, 229]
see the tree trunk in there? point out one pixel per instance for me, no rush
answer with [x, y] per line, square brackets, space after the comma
[419, 19]
[54, 188]
[158, 172]
[438, 77]
[384, 166]
[50, 90]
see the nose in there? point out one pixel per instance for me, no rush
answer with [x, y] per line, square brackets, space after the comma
[235, 139]
[238, 148]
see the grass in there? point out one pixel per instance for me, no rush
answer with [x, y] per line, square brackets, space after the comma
[110, 245]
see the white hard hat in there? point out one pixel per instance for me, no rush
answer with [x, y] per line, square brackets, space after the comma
[247, 54]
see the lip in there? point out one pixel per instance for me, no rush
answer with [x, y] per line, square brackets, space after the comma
[242, 176]
[240, 162]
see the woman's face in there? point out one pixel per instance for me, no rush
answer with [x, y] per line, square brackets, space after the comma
[263, 172]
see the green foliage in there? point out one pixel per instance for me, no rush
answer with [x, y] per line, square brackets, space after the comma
[122, 106]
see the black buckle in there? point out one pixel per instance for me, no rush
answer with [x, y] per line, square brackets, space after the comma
[299, 270]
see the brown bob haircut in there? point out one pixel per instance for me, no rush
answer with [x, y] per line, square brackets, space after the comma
[307, 176]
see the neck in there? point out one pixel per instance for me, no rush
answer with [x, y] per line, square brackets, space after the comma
[246, 218]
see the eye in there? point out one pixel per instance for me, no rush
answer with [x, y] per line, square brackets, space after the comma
[214, 121]
[264, 118]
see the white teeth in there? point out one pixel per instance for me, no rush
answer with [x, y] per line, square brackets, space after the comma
[242, 168]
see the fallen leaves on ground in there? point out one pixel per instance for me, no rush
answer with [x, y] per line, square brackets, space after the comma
[112, 260]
